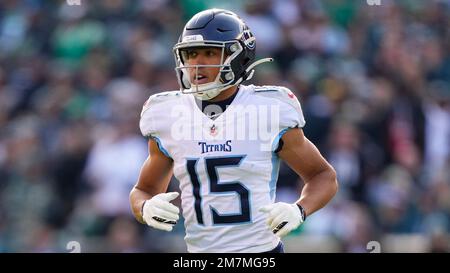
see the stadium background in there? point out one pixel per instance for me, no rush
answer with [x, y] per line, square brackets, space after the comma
[374, 83]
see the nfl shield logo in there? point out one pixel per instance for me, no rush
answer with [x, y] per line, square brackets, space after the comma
[213, 130]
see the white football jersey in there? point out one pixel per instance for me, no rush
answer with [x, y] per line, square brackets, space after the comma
[227, 167]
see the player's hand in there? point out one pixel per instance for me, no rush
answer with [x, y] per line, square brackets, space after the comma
[282, 217]
[159, 213]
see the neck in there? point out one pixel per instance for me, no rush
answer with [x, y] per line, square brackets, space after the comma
[225, 94]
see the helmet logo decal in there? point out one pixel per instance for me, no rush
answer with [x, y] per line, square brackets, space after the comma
[248, 39]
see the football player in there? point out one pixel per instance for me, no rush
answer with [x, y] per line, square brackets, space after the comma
[203, 134]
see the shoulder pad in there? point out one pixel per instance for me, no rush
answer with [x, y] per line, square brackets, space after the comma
[159, 98]
[287, 99]
[277, 92]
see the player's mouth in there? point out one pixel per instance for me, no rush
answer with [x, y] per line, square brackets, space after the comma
[200, 79]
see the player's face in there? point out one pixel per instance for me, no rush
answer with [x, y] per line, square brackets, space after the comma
[203, 56]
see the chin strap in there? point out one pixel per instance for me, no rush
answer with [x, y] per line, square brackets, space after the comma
[255, 64]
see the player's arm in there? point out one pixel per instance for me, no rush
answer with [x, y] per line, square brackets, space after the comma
[319, 178]
[150, 189]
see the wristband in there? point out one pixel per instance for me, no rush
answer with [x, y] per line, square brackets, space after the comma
[302, 211]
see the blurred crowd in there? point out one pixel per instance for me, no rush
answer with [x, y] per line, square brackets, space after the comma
[373, 81]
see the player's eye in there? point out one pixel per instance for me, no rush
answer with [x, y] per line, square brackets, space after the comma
[191, 54]
[210, 53]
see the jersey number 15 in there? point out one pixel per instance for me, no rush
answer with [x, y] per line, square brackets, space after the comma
[215, 186]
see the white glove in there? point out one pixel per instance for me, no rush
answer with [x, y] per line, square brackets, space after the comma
[283, 217]
[159, 213]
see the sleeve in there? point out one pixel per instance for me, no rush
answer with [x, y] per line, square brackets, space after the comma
[291, 115]
[150, 128]
[146, 123]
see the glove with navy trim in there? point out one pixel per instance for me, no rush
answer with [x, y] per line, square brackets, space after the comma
[282, 217]
[159, 213]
